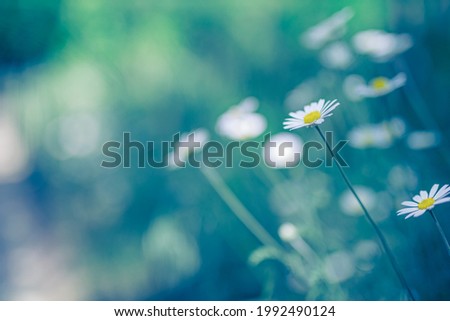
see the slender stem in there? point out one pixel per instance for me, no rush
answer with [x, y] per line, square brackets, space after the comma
[305, 251]
[380, 235]
[441, 231]
[239, 209]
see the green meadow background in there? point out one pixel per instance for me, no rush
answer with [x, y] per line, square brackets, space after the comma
[76, 74]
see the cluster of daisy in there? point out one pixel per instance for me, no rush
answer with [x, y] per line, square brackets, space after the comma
[243, 122]
[379, 46]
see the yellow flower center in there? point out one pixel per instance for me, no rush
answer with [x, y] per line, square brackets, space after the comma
[426, 203]
[312, 117]
[379, 83]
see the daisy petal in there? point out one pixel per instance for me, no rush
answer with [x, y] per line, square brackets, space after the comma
[442, 200]
[293, 122]
[442, 192]
[417, 198]
[406, 210]
[320, 103]
[418, 213]
[434, 190]
[423, 194]
[415, 214]
[410, 215]
[409, 203]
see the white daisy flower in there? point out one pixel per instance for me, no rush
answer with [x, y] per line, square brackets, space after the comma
[350, 87]
[380, 45]
[423, 140]
[284, 151]
[425, 201]
[336, 56]
[339, 266]
[313, 114]
[381, 86]
[241, 122]
[381, 135]
[329, 29]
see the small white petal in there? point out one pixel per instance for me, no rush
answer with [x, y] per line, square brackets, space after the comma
[442, 200]
[409, 203]
[423, 194]
[398, 81]
[418, 213]
[433, 190]
[406, 210]
[417, 198]
[444, 191]
[293, 121]
[410, 215]
[415, 214]
[320, 103]
[325, 113]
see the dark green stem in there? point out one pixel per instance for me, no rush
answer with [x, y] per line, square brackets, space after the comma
[441, 231]
[380, 235]
[239, 210]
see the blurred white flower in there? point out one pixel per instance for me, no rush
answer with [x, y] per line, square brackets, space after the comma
[396, 126]
[380, 45]
[423, 140]
[350, 206]
[351, 85]
[192, 142]
[327, 30]
[171, 254]
[73, 136]
[312, 115]
[364, 253]
[366, 250]
[339, 267]
[402, 177]
[336, 56]
[302, 94]
[288, 232]
[53, 275]
[14, 155]
[381, 86]
[425, 201]
[380, 135]
[283, 151]
[241, 122]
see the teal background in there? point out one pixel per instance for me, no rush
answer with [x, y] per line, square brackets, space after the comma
[76, 74]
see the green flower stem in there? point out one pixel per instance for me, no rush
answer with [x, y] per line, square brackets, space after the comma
[275, 178]
[303, 248]
[441, 231]
[239, 209]
[380, 235]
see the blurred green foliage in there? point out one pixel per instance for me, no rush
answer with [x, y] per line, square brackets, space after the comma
[75, 74]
